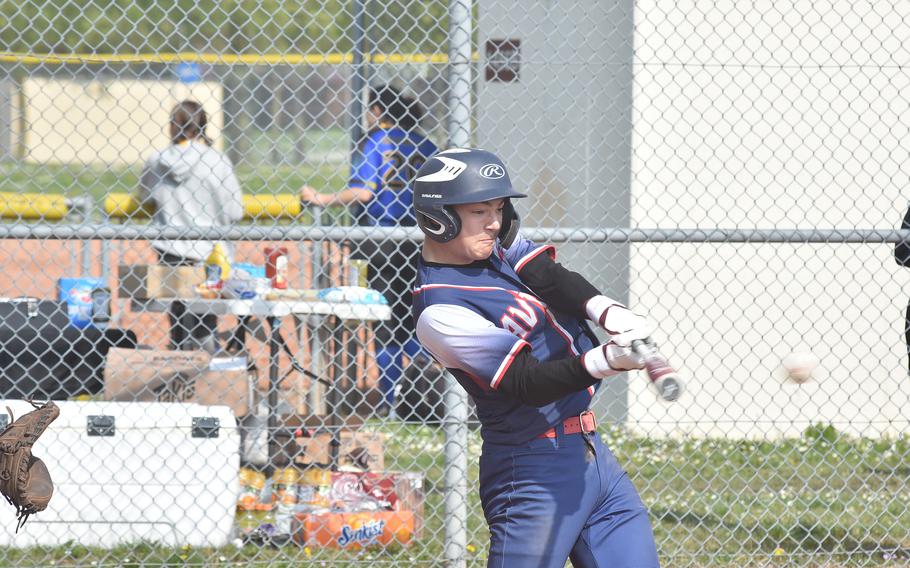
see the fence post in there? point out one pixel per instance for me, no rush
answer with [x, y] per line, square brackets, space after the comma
[359, 45]
[456, 472]
[456, 429]
[315, 322]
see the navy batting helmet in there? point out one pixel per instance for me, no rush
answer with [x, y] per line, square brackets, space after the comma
[457, 176]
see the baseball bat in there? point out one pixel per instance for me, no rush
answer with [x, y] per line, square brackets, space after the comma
[664, 378]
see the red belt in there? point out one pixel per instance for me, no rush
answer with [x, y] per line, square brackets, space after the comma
[584, 422]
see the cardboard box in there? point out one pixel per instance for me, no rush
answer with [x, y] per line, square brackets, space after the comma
[151, 281]
[213, 388]
[148, 375]
[361, 449]
[135, 374]
[354, 530]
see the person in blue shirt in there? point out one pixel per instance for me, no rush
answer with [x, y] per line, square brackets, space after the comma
[511, 325]
[379, 195]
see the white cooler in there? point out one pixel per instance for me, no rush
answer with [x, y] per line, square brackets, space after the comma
[133, 471]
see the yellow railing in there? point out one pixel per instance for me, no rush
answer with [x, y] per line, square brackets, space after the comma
[49, 207]
[53, 207]
[255, 207]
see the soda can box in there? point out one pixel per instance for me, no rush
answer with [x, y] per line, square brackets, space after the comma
[77, 293]
[351, 531]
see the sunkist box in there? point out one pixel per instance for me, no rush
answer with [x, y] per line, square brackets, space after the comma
[367, 492]
[354, 530]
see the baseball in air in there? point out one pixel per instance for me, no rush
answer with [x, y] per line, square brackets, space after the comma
[799, 366]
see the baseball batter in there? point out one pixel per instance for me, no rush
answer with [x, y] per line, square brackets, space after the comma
[509, 323]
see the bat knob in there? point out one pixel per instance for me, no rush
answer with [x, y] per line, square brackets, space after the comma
[669, 387]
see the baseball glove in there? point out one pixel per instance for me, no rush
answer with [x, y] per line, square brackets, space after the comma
[24, 479]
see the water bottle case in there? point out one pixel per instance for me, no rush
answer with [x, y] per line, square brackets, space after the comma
[77, 293]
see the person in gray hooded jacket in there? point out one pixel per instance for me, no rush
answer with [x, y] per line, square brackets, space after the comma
[190, 184]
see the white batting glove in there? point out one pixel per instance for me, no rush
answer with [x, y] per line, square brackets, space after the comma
[622, 324]
[609, 359]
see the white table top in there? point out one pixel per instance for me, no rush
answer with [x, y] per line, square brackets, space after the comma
[345, 310]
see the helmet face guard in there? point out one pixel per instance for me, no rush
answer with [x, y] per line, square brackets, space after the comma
[459, 176]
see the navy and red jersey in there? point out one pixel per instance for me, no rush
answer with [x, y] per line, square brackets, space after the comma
[474, 319]
[385, 164]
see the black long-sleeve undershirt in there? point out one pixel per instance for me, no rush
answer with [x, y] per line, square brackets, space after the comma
[561, 288]
[539, 383]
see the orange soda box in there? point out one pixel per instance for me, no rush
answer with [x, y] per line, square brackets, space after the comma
[355, 530]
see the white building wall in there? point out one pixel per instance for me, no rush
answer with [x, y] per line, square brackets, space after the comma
[744, 115]
[772, 115]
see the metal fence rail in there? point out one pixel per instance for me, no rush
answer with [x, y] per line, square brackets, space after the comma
[340, 234]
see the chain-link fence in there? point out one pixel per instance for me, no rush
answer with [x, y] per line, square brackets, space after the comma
[203, 269]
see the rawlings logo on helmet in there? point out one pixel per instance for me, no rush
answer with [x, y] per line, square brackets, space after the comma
[492, 171]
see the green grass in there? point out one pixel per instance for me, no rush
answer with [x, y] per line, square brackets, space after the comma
[824, 499]
[267, 166]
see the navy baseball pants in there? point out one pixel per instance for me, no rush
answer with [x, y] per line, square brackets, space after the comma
[562, 498]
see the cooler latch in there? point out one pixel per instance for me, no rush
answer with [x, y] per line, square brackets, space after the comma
[206, 427]
[100, 425]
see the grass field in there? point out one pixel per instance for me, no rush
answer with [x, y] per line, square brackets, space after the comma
[267, 166]
[822, 500]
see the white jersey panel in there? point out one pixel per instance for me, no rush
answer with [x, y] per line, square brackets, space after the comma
[462, 339]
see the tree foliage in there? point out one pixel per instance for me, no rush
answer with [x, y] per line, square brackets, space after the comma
[217, 26]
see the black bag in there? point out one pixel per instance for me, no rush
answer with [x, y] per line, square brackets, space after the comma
[42, 356]
[82, 370]
[31, 344]
[21, 313]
